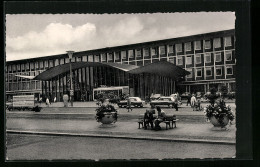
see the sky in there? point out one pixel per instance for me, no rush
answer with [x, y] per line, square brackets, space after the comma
[39, 35]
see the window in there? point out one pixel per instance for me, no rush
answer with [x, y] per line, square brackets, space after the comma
[218, 71]
[198, 72]
[18, 67]
[229, 70]
[46, 64]
[198, 58]
[27, 66]
[131, 54]
[190, 75]
[208, 71]
[73, 59]
[228, 41]
[56, 62]
[51, 63]
[228, 55]
[217, 43]
[146, 52]
[84, 58]
[197, 45]
[117, 57]
[110, 56]
[22, 67]
[32, 65]
[207, 57]
[178, 47]
[179, 61]
[90, 58]
[188, 60]
[123, 54]
[104, 57]
[162, 50]
[138, 52]
[171, 48]
[188, 46]
[61, 61]
[36, 65]
[79, 59]
[14, 67]
[41, 64]
[207, 44]
[171, 60]
[154, 51]
[96, 58]
[218, 57]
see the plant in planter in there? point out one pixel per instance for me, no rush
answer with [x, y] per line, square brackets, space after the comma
[106, 113]
[217, 112]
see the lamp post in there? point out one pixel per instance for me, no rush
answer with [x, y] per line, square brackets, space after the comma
[70, 53]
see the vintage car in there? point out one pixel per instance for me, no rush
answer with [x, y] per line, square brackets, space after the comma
[155, 96]
[168, 101]
[135, 101]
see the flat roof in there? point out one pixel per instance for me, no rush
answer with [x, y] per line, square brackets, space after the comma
[131, 46]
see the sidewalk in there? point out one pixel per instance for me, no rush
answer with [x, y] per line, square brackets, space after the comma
[185, 132]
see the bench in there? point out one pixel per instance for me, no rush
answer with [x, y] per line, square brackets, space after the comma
[169, 121]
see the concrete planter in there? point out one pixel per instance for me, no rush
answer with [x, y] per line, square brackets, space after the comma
[216, 123]
[109, 118]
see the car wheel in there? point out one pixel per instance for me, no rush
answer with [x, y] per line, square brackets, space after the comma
[141, 106]
[171, 106]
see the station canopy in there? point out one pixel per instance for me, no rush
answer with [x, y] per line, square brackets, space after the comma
[161, 68]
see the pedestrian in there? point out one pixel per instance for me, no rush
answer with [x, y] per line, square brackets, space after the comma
[47, 102]
[188, 99]
[40, 100]
[128, 104]
[148, 119]
[160, 118]
[193, 100]
[54, 100]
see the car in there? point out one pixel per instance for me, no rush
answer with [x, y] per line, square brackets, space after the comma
[135, 101]
[169, 101]
[155, 96]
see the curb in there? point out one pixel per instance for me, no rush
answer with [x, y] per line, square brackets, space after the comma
[124, 137]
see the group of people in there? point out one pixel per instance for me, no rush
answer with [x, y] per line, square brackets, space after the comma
[193, 102]
[154, 122]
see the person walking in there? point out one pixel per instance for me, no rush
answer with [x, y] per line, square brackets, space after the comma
[193, 100]
[128, 100]
[188, 99]
[47, 102]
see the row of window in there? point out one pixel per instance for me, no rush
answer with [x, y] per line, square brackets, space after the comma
[208, 71]
[198, 57]
[10, 86]
[56, 62]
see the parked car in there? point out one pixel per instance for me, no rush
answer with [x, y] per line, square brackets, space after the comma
[169, 101]
[155, 97]
[135, 101]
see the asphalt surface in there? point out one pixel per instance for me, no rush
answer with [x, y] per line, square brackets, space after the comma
[38, 147]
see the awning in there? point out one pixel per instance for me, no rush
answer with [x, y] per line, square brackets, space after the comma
[161, 68]
[55, 71]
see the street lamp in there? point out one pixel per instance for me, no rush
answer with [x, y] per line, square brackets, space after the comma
[70, 53]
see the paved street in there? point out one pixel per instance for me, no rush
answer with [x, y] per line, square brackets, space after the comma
[37, 147]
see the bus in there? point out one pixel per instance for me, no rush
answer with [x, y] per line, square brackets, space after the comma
[116, 90]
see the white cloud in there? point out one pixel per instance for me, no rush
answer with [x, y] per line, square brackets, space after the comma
[54, 38]
[104, 31]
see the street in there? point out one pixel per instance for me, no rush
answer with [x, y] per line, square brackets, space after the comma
[39, 147]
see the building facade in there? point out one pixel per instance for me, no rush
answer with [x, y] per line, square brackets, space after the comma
[210, 59]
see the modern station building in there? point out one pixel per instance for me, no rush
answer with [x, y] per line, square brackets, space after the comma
[186, 64]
